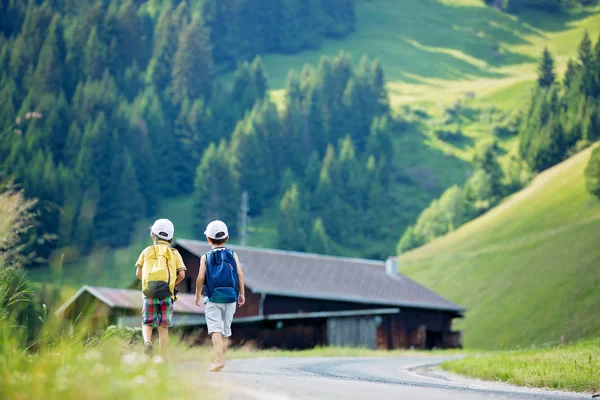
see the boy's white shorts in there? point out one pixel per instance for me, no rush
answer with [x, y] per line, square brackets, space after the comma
[218, 317]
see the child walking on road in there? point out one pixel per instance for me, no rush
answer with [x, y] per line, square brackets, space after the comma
[221, 278]
[160, 267]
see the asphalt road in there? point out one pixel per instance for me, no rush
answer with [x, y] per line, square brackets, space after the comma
[358, 378]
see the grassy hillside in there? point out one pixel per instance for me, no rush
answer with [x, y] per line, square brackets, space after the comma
[437, 50]
[527, 271]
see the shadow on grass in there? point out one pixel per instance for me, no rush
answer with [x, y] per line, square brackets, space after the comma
[428, 36]
[555, 22]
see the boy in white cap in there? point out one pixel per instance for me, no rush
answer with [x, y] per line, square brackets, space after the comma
[160, 267]
[221, 278]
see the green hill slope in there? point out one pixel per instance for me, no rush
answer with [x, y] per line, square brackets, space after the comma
[437, 50]
[527, 271]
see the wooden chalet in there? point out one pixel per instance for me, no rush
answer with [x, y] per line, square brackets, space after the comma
[299, 300]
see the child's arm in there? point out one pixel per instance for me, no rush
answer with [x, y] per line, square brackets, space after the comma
[139, 265]
[200, 279]
[181, 268]
[180, 276]
[242, 296]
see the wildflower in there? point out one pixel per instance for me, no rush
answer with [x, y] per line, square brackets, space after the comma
[134, 358]
[98, 369]
[158, 359]
[152, 374]
[139, 380]
[93, 355]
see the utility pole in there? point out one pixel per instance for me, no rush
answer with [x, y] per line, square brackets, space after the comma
[244, 216]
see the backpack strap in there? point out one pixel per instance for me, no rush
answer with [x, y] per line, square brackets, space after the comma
[235, 270]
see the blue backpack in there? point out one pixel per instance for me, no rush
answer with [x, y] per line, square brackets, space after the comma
[222, 281]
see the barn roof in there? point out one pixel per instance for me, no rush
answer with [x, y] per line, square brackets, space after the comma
[129, 299]
[294, 274]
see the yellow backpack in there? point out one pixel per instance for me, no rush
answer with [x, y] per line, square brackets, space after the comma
[159, 272]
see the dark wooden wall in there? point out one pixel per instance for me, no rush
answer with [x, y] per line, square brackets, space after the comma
[352, 332]
[192, 263]
[289, 335]
[412, 327]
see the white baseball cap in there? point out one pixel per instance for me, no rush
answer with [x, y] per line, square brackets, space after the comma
[216, 230]
[163, 229]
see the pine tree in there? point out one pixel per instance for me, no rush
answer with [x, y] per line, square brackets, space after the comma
[200, 123]
[593, 127]
[49, 74]
[486, 159]
[586, 60]
[95, 56]
[592, 173]
[546, 69]
[28, 44]
[268, 125]
[168, 28]
[216, 193]
[379, 142]
[381, 93]
[570, 74]
[8, 101]
[313, 169]
[319, 242]
[295, 144]
[131, 38]
[259, 77]
[248, 164]
[314, 123]
[193, 66]
[245, 93]
[129, 204]
[595, 91]
[291, 233]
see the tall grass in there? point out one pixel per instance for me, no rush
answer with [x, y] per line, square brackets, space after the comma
[575, 367]
[40, 359]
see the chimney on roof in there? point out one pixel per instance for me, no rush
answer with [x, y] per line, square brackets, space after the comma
[391, 266]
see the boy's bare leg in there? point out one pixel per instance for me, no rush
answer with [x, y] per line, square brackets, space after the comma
[225, 346]
[218, 344]
[163, 338]
[147, 333]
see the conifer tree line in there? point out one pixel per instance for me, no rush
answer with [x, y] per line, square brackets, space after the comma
[325, 160]
[514, 6]
[563, 118]
[108, 107]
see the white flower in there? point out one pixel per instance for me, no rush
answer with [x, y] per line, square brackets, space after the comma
[130, 359]
[139, 380]
[152, 374]
[158, 359]
[98, 369]
[93, 355]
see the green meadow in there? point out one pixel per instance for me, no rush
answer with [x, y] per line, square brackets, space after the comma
[527, 271]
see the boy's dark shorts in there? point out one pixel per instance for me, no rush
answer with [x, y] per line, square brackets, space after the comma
[158, 312]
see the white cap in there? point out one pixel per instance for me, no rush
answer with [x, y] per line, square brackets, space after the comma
[216, 230]
[163, 229]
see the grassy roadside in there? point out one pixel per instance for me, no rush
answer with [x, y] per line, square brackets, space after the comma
[573, 367]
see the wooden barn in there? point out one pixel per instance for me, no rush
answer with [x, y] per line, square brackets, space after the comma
[299, 300]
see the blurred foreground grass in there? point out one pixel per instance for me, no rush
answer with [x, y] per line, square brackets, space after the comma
[574, 367]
